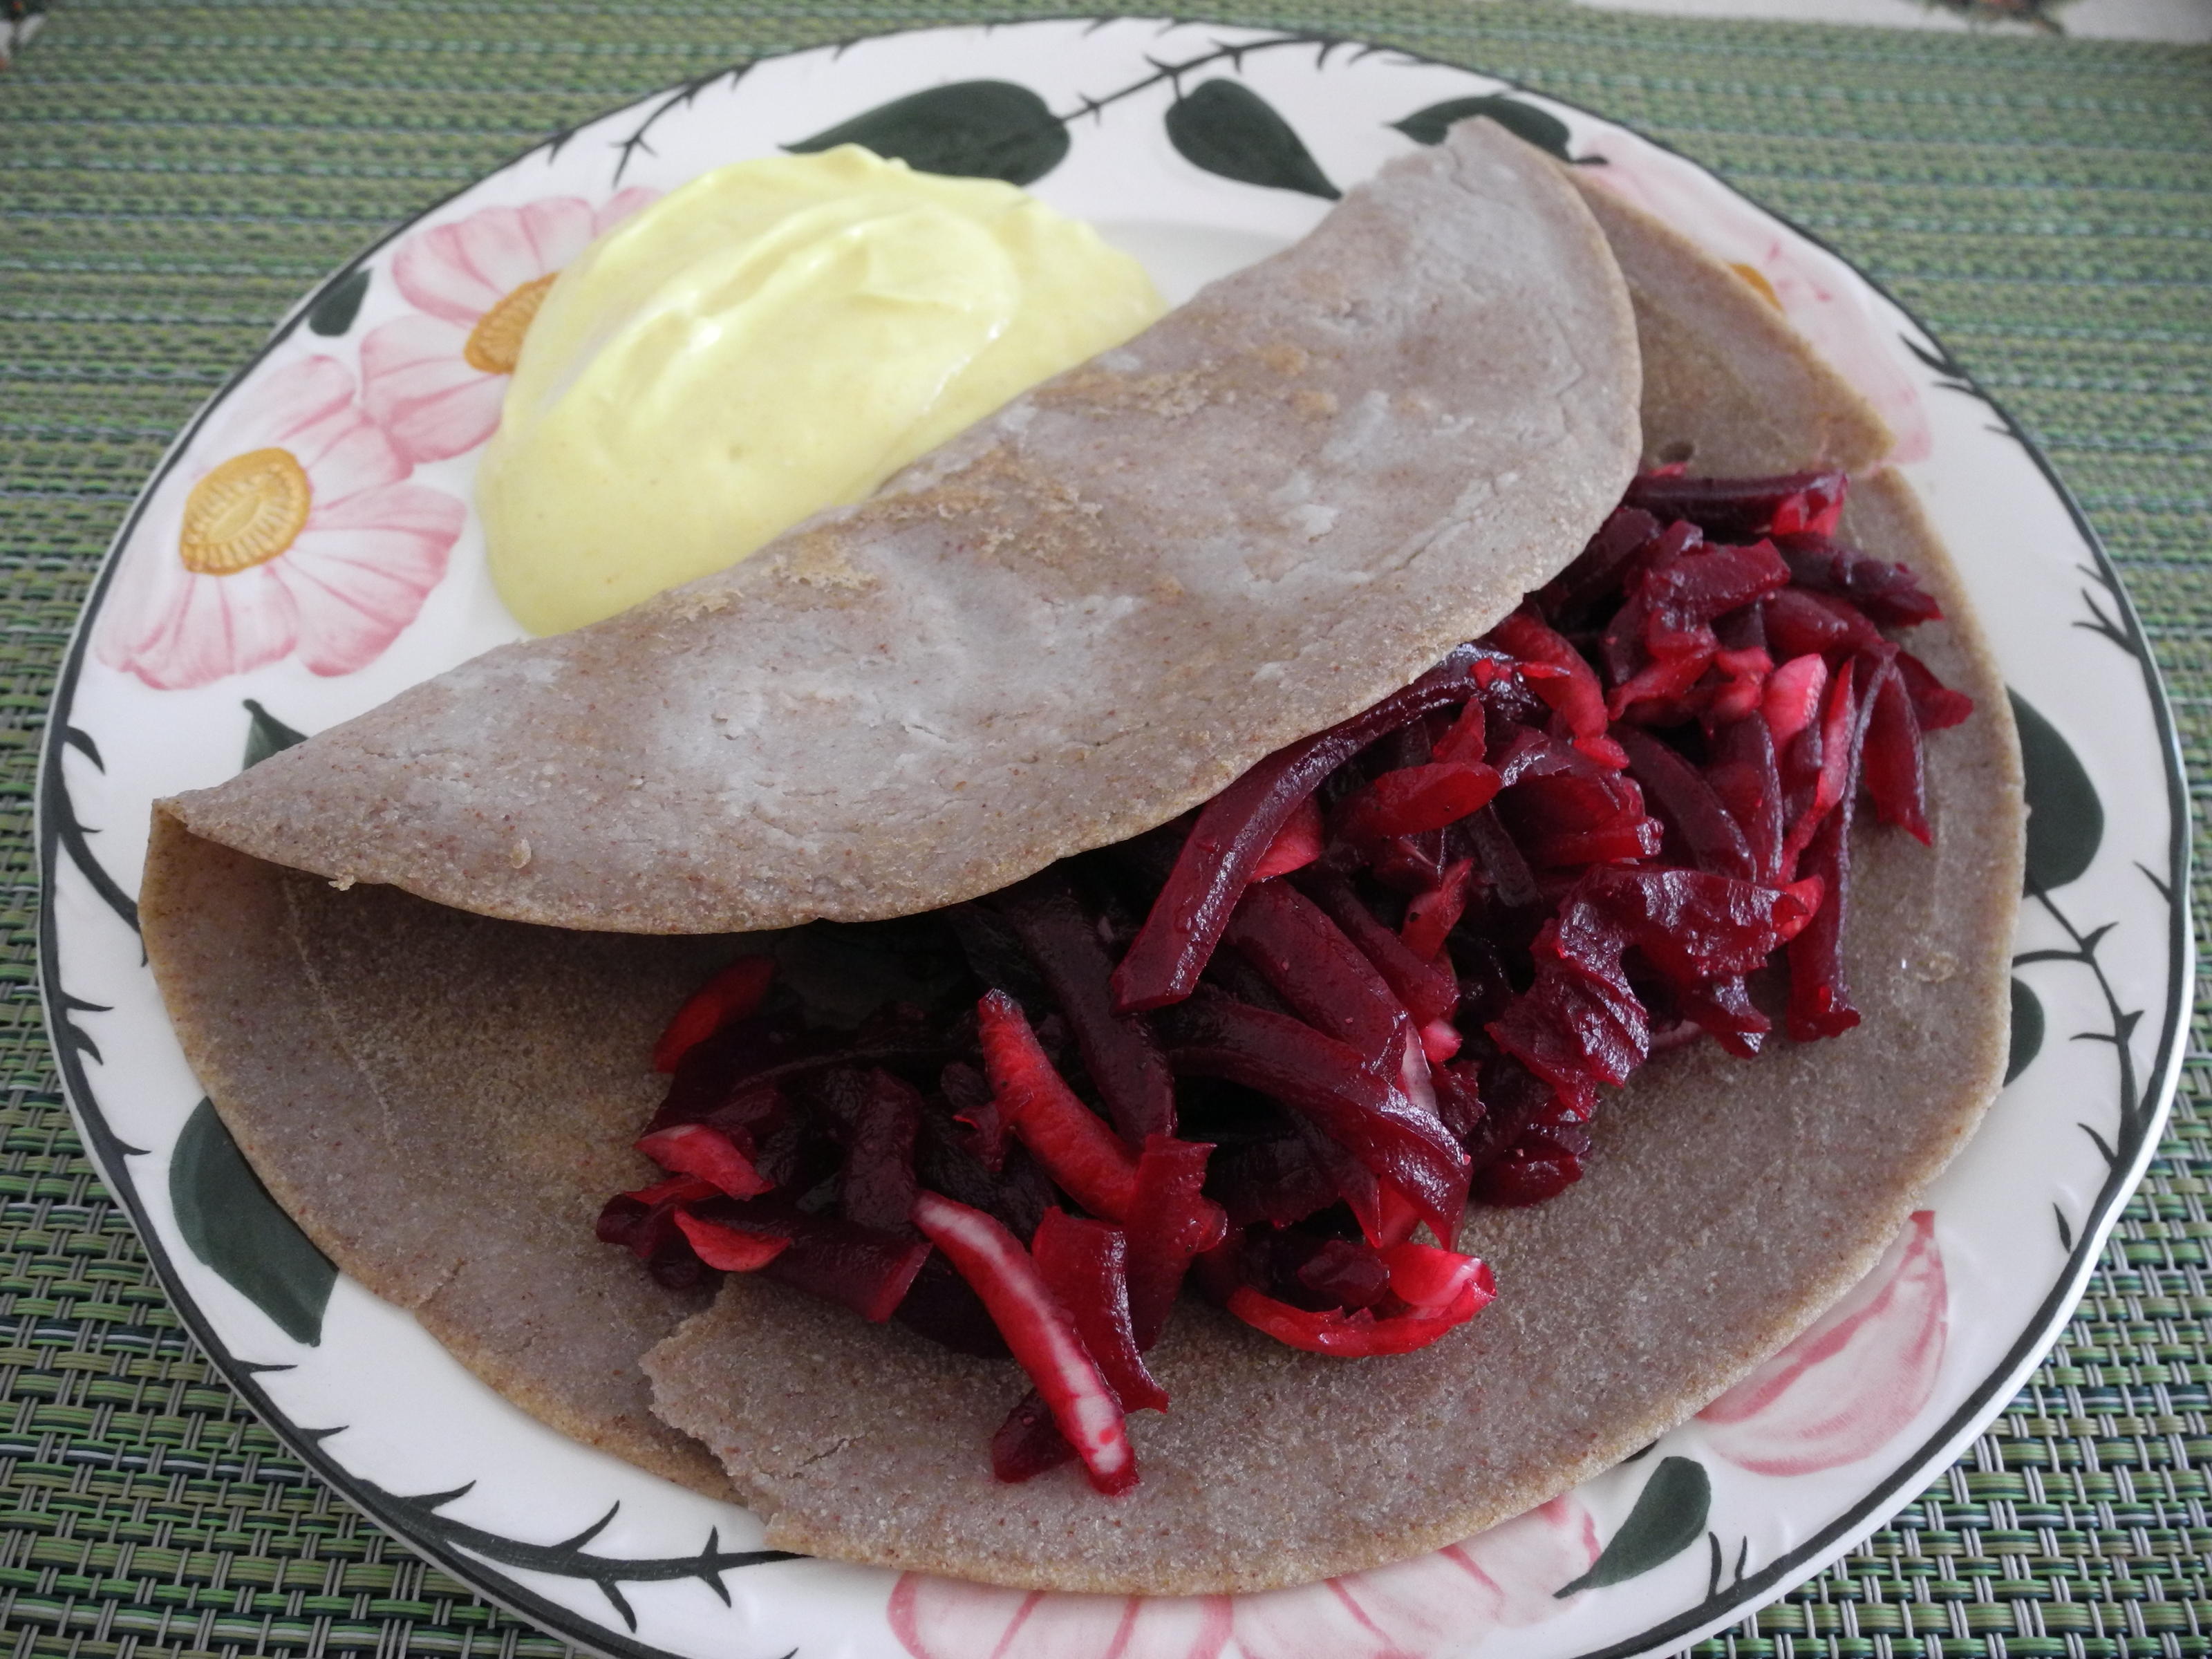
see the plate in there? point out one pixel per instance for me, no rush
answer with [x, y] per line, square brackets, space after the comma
[1198, 150]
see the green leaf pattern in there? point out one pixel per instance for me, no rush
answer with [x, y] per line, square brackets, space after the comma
[334, 313]
[1668, 1517]
[265, 735]
[2065, 818]
[1228, 129]
[2026, 1029]
[229, 1222]
[970, 128]
[1538, 127]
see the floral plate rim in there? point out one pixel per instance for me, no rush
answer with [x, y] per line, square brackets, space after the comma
[448, 1542]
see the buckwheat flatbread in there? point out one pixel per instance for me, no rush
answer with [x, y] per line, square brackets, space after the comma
[444, 1099]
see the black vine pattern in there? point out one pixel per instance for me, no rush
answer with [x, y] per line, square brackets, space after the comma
[2106, 621]
[1714, 1587]
[569, 1558]
[627, 150]
[2112, 619]
[70, 833]
[1160, 71]
[2135, 1117]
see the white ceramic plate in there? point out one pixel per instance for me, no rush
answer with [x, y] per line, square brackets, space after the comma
[1198, 150]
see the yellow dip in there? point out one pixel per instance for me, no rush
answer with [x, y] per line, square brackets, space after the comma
[776, 338]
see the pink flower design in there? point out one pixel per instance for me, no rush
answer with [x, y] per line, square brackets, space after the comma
[1832, 318]
[1851, 1383]
[949, 1618]
[1424, 1608]
[302, 539]
[434, 380]
[1433, 1605]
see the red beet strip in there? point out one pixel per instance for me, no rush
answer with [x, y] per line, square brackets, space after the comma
[1172, 1222]
[1415, 800]
[1819, 1000]
[1427, 991]
[1085, 1265]
[1571, 690]
[1738, 507]
[730, 1250]
[829, 1257]
[1893, 762]
[1307, 961]
[1041, 1334]
[1299, 842]
[1028, 1443]
[1887, 593]
[1838, 766]
[1362, 1333]
[1435, 911]
[1599, 569]
[1236, 828]
[1119, 1052]
[1746, 777]
[1075, 1148]
[1794, 695]
[1714, 840]
[1936, 704]
[879, 1118]
[731, 994]
[1214, 1035]
[1423, 1276]
[694, 1149]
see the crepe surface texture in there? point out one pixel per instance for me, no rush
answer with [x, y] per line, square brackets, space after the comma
[385, 1063]
[1082, 616]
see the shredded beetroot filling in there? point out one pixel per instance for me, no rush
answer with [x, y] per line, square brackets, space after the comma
[1238, 826]
[1389, 972]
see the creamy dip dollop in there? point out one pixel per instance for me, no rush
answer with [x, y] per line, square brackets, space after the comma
[778, 337]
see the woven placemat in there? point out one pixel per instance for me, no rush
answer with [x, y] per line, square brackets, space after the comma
[171, 176]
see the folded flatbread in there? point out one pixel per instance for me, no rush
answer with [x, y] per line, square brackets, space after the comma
[1083, 615]
[444, 1098]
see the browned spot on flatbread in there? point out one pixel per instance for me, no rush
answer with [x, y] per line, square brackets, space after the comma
[820, 561]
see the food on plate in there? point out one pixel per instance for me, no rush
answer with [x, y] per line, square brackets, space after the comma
[779, 335]
[1385, 970]
[445, 1094]
[1380, 973]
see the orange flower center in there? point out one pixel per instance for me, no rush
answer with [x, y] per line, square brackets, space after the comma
[245, 513]
[495, 342]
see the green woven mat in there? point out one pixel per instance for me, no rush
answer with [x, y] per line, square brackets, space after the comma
[173, 175]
